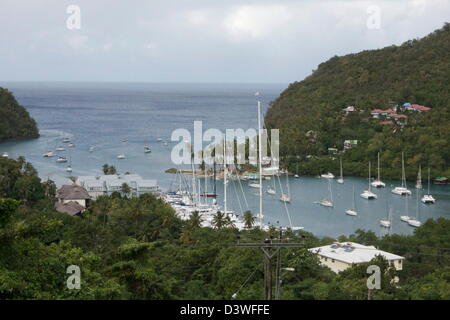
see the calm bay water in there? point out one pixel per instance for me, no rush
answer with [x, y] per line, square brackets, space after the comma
[101, 115]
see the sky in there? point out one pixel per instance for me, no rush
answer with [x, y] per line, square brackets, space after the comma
[218, 41]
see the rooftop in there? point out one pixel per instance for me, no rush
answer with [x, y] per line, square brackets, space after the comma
[351, 252]
[71, 208]
[72, 192]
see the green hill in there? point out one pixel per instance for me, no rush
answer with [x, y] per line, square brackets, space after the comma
[311, 119]
[15, 121]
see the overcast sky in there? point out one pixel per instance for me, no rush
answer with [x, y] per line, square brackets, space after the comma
[199, 40]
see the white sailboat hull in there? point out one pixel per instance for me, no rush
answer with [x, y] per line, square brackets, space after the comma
[428, 198]
[414, 223]
[405, 218]
[402, 191]
[369, 195]
[385, 223]
[351, 212]
[378, 184]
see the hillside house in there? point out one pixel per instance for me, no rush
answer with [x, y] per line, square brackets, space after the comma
[72, 199]
[341, 256]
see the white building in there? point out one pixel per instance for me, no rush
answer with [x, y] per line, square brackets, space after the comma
[107, 184]
[340, 256]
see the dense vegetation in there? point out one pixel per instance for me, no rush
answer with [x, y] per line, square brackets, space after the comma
[310, 113]
[138, 249]
[15, 121]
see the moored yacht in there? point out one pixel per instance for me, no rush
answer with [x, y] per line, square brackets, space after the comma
[402, 191]
[328, 202]
[428, 198]
[352, 211]
[60, 149]
[270, 191]
[121, 156]
[48, 154]
[368, 194]
[147, 149]
[328, 175]
[386, 223]
[285, 198]
[254, 185]
[377, 183]
[5, 155]
[66, 140]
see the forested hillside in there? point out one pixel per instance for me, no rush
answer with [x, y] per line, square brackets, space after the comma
[311, 117]
[136, 248]
[15, 121]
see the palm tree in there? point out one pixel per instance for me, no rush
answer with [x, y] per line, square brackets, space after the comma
[249, 219]
[126, 189]
[219, 220]
[229, 223]
[195, 219]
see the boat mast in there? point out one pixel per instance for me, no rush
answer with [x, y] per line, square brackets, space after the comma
[341, 168]
[428, 180]
[403, 172]
[378, 167]
[369, 176]
[224, 174]
[260, 167]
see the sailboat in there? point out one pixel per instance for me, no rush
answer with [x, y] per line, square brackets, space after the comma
[377, 183]
[341, 178]
[403, 191]
[5, 155]
[147, 149]
[69, 167]
[48, 154]
[286, 197]
[328, 202]
[419, 178]
[386, 222]
[407, 217]
[121, 156]
[296, 174]
[61, 159]
[352, 211]
[428, 198]
[66, 140]
[60, 149]
[368, 194]
[271, 190]
[416, 222]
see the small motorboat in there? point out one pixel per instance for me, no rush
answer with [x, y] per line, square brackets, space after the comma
[71, 145]
[405, 218]
[69, 169]
[60, 149]
[270, 191]
[91, 149]
[328, 175]
[61, 159]
[147, 149]
[254, 185]
[351, 212]
[48, 154]
[66, 140]
[121, 156]
[5, 155]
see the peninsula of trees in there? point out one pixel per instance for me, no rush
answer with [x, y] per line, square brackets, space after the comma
[15, 121]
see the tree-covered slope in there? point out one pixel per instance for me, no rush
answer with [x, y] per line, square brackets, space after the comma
[15, 121]
[418, 71]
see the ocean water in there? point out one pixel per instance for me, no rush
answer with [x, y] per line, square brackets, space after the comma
[103, 114]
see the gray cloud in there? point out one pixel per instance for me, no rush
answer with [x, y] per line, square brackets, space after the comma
[198, 41]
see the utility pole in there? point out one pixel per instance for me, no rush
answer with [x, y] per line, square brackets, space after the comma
[270, 249]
